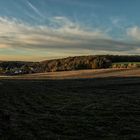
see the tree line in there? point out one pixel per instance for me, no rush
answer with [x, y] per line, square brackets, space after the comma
[65, 64]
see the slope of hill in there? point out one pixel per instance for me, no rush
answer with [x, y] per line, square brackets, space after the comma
[67, 64]
[85, 62]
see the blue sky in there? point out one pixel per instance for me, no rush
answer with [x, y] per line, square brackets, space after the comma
[45, 29]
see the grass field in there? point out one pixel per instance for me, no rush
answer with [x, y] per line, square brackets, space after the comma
[127, 63]
[82, 109]
[80, 74]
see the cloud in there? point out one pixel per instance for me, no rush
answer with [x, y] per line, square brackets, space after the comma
[4, 46]
[66, 33]
[134, 33]
[34, 8]
[118, 22]
[62, 38]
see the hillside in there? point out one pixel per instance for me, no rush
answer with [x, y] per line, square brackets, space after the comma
[85, 62]
[68, 64]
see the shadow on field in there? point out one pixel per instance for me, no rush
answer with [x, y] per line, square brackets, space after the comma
[80, 109]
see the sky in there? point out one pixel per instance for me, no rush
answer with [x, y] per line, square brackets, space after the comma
[35, 30]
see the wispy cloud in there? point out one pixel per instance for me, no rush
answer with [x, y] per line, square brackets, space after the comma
[62, 38]
[34, 9]
[66, 34]
[4, 46]
[117, 21]
[134, 33]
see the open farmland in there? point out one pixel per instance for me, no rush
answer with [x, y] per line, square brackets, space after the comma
[97, 73]
[127, 63]
[70, 109]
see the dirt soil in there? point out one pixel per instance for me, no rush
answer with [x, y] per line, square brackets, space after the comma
[71, 109]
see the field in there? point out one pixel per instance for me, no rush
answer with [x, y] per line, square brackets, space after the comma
[67, 108]
[127, 63]
[80, 74]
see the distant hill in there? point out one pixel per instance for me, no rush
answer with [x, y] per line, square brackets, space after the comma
[65, 64]
[85, 62]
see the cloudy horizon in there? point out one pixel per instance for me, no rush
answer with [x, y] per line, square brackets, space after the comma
[36, 30]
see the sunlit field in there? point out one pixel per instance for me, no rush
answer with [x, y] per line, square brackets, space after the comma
[80, 74]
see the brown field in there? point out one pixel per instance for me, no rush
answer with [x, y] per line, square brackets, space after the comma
[54, 106]
[100, 73]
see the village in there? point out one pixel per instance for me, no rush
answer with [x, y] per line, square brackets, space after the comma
[17, 70]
